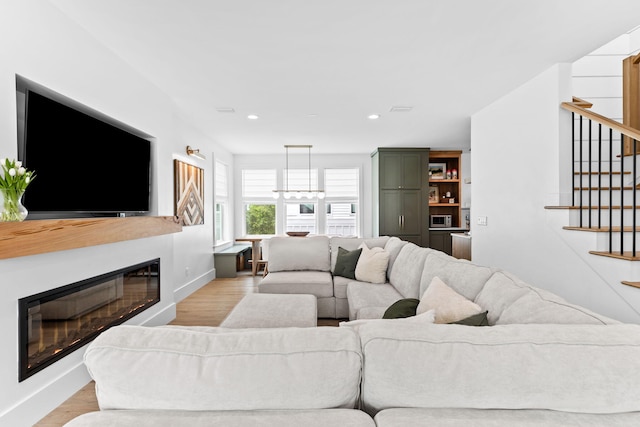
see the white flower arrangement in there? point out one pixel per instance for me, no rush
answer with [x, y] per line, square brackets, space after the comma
[14, 179]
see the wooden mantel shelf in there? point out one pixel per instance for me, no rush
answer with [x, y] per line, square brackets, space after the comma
[25, 238]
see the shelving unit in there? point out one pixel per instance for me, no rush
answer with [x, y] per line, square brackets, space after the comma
[447, 185]
[448, 188]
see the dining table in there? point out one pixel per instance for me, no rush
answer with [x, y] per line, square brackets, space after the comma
[256, 256]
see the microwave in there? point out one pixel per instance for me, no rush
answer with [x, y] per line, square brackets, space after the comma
[440, 221]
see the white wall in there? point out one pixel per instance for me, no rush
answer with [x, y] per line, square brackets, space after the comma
[41, 44]
[597, 77]
[518, 165]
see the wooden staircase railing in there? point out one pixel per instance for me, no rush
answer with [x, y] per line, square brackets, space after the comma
[604, 150]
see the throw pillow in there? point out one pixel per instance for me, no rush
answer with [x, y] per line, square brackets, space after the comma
[372, 265]
[449, 305]
[402, 308]
[479, 319]
[346, 263]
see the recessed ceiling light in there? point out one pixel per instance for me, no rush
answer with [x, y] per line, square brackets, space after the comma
[373, 116]
[225, 110]
[400, 109]
[252, 117]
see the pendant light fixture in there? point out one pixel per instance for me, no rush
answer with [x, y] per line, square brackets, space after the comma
[309, 193]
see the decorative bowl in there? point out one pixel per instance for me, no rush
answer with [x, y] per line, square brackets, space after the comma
[297, 233]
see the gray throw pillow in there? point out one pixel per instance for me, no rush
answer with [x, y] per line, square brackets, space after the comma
[346, 263]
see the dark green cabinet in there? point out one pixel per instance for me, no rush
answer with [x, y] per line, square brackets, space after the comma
[440, 240]
[402, 212]
[400, 193]
[400, 171]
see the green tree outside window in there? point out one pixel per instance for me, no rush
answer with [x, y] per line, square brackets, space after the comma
[261, 219]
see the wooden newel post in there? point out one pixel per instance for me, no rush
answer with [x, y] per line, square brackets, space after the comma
[631, 97]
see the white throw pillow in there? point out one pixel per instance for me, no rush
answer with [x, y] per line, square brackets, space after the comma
[426, 317]
[449, 306]
[372, 265]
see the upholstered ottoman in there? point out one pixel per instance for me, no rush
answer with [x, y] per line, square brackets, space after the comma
[273, 311]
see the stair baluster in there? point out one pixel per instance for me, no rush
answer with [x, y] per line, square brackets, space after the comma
[628, 146]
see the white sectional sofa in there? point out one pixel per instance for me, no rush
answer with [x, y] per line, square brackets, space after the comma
[304, 265]
[542, 361]
[385, 373]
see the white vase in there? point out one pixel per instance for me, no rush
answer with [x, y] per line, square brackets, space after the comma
[11, 206]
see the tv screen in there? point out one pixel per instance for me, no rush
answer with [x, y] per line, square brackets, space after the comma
[83, 164]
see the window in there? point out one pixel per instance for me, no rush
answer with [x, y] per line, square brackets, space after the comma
[257, 197]
[300, 179]
[260, 219]
[342, 188]
[301, 217]
[307, 208]
[338, 214]
[221, 220]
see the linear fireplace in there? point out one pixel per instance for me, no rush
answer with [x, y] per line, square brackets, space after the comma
[55, 323]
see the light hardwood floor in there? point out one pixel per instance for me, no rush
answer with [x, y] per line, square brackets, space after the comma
[208, 306]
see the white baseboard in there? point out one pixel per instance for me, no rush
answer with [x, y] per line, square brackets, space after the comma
[190, 287]
[35, 407]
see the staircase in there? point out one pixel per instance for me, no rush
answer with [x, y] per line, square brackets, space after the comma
[605, 184]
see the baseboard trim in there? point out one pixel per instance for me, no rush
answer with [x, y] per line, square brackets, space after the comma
[192, 286]
[39, 404]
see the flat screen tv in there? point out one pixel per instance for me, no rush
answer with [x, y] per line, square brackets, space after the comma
[84, 165]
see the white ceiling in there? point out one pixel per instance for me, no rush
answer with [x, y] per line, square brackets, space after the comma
[341, 60]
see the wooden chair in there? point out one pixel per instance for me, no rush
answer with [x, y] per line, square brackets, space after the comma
[264, 257]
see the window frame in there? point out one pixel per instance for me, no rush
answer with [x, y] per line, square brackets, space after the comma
[253, 199]
[224, 202]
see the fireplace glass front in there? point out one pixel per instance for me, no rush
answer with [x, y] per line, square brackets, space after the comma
[56, 322]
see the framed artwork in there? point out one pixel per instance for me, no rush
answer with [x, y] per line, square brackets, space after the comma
[437, 170]
[434, 195]
[189, 193]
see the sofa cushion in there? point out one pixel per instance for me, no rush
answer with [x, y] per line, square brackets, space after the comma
[510, 300]
[406, 271]
[299, 253]
[351, 243]
[361, 295]
[541, 306]
[372, 265]
[266, 418]
[500, 291]
[318, 283]
[340, 286]
[346, 262]
[405, 307]
[449, 305]
[393, 246]
[371, 312]
[137, 367]
[462, 276]
[573, 368]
